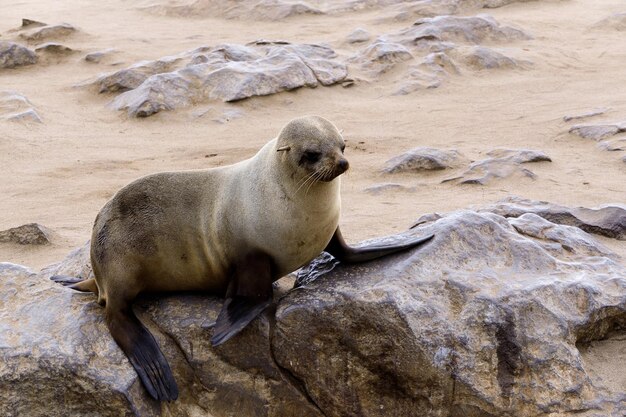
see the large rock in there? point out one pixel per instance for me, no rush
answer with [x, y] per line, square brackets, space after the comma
[15, 55]
[598, 131]
[482, 321]
[48, 32]
[27, 234]
[226, 73]
[485, 320]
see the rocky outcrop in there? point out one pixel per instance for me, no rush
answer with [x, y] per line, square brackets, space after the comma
[433, 48]
[15, 55]
[423, 159]
[502, 164]
[486, 319]
[27, 234]
[588, 114]
[226, 73]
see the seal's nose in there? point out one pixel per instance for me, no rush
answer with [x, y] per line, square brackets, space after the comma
[343, 164]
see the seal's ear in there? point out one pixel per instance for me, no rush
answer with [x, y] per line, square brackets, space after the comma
[284, 148]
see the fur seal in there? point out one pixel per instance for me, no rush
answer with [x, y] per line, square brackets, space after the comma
[231, 230]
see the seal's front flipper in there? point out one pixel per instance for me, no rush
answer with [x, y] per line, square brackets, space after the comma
[143, 353]
[249, 293]
[344, 253]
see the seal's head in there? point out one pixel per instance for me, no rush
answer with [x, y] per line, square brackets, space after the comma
[313, 147]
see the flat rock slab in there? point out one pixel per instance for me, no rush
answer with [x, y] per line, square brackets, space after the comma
[14, 55]
[423, 159]
[227, 73]
[598, 131]
[27, 234]
[503, 163]
[591, 113]
[483, 320]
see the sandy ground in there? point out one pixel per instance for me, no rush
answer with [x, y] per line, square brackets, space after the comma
[61, 172]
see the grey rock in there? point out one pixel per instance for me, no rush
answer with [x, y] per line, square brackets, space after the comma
[381, 188]
[358, 35]
[49, 32]
[598, 131]
[381, 56]
[502, 164]
[14, 55]
[27, 234]
[226, 73]
[99, 56]
[472, 30]
[481, 57]
[613, 145]
[30, 23]
[482, 321]
[423, 159]
[586, 115]
[616, 21]
[609, 220]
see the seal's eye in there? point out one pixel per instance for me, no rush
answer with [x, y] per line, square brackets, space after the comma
[343, 147]
[312, 156]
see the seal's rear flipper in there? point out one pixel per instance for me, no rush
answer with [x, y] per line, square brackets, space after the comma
[344, 253]
[249, 293]
[143, 353]
[78, 284]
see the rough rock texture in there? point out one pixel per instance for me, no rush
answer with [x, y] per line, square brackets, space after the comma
[99, 56]
[48, 33]
[27, 234]
[15, 55]
[227, 73]
[423, 159]
[608, 220]
[598, 131]
[502, 164]
[481, 321]
[54, 48]
[16, 107]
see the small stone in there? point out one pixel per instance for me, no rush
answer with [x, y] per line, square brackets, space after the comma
[358, 35]
[422, 159]
[28, 234]
[30, 23]
[14, 55]
[381, 188]
[599, 131]
[29, 115]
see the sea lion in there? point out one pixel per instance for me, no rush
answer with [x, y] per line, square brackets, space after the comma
[232, 230]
